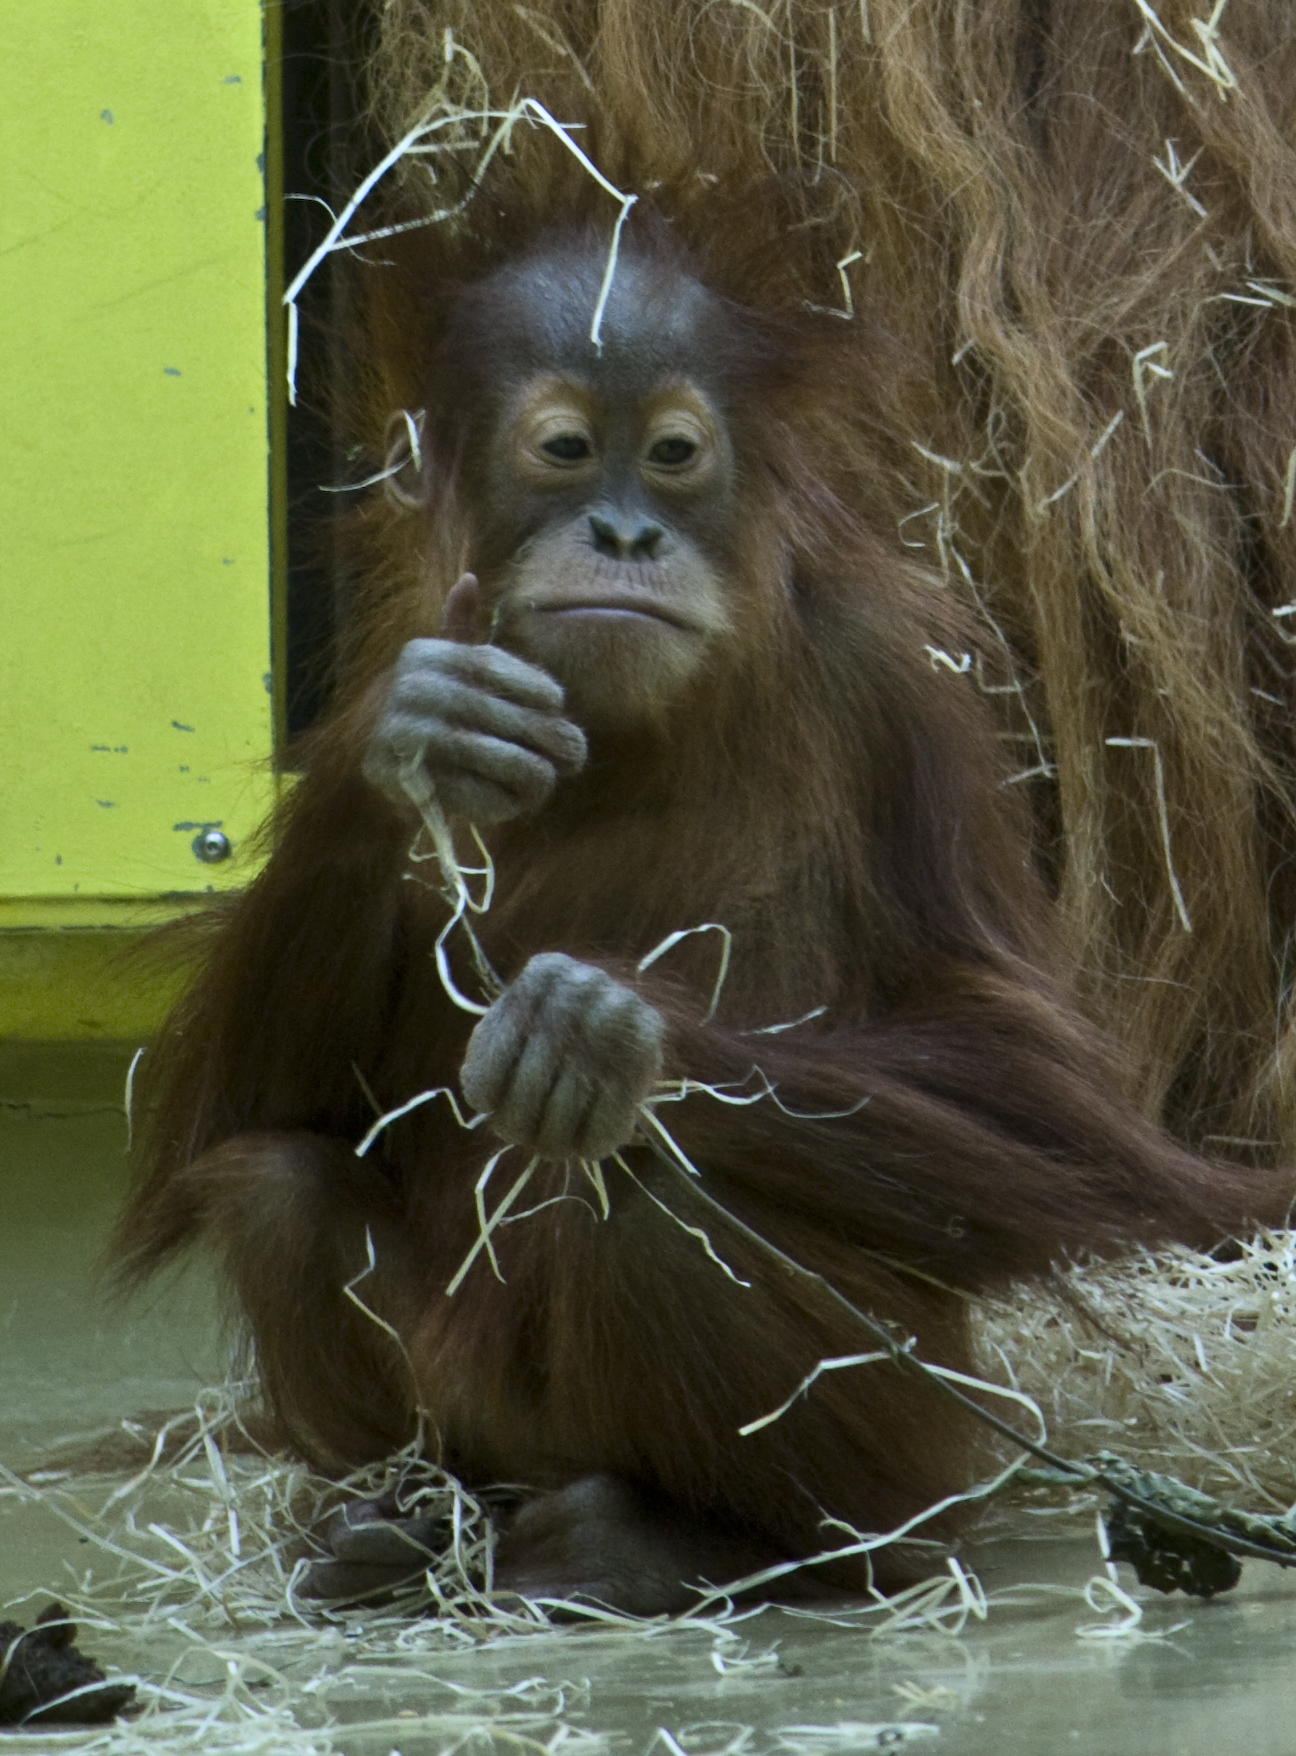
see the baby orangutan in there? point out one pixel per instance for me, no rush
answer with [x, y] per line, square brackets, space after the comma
[679, 684]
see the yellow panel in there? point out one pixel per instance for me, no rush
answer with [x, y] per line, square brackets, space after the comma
[83, 986]
[80, 914]
[134, 666]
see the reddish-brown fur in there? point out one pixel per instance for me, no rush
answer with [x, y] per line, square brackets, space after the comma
[995, 174]
[834, 797]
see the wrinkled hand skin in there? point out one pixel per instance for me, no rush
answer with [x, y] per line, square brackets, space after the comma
[486, 726]
[597, 1541]
[563, 1059]
[602, 1541]
[374, 1551]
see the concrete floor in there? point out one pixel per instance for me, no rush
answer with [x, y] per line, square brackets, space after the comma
[1198, 1680]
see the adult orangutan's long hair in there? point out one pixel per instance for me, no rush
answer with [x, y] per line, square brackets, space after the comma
[1078, 225]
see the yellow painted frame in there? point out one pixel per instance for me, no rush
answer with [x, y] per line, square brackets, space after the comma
[137, 698]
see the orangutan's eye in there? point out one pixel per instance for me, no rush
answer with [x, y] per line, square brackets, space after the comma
[567, 448]
[672, 453]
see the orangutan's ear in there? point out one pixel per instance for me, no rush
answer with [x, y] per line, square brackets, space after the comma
[406, 476]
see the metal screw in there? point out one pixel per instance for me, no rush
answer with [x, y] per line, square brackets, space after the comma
[211, 847]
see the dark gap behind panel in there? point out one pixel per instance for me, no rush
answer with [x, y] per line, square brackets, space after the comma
[324, 155]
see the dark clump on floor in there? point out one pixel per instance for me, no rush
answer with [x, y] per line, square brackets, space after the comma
[1168, 1560]
[40, 1667]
